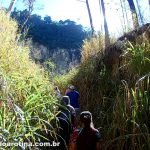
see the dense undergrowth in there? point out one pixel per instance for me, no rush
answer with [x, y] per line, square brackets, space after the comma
[27, 104]
[114, 84]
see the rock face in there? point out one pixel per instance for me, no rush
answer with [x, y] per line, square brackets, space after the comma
[63, 59]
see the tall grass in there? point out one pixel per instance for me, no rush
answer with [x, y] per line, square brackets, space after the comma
[91, 47]
[137, 58]
[63, 81]
[120, 104]
[27, 104]
[129, 128]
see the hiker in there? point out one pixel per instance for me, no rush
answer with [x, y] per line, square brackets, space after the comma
[88, 137]
[67, 90]
[66, 100]
[57, 92]
[74, 134]
[64, 117]
[74, 99]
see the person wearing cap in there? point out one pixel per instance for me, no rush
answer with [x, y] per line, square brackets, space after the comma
[74, 99]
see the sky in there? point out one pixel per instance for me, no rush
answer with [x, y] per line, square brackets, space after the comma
[62, 10]
[77, 11]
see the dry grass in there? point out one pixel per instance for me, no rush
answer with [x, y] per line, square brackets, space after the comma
[118, 99]
[23, 84]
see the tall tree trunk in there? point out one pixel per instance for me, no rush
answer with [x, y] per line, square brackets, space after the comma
[100, 9]
[107, 38]
[30, 9]
[11, 6]
[134, 13]
[90, 16]
[125, 10]
[124, 19]
[149, 4]
[140, 14]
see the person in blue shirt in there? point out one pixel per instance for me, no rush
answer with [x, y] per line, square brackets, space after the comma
[74, 99]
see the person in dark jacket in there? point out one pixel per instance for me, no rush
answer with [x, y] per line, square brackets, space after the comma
[64, 116]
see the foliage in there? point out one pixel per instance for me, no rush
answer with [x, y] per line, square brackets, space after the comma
[26, 94]
[92, 46]
[63, 81]
[137, 58]
[63, 34]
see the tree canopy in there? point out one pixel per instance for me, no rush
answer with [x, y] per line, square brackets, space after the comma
[52, 34]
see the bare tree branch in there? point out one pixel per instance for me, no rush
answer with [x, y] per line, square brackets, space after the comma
[89, 13]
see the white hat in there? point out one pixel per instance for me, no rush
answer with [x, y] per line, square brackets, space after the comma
[71, 87]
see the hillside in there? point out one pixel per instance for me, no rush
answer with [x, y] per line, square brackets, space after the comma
[59, 41]
[114, 85]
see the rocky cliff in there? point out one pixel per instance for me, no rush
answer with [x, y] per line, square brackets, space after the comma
[63, 59]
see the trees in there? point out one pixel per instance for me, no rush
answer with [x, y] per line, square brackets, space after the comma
[90, 16]
[124, 16]
[11, 6]
[140, 14]
[107, 39]
[63, 34]
[29, 4]
[133, 13]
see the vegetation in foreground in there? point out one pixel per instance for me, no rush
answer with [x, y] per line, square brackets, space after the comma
[27, 104]
[114, 84]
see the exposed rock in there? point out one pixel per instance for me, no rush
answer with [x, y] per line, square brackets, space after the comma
[63, 59]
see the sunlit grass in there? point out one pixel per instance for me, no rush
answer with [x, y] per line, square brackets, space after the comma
[137, 58]
[119, 103]
[27, 104]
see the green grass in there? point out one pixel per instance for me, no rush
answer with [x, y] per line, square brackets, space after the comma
[23, 86]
